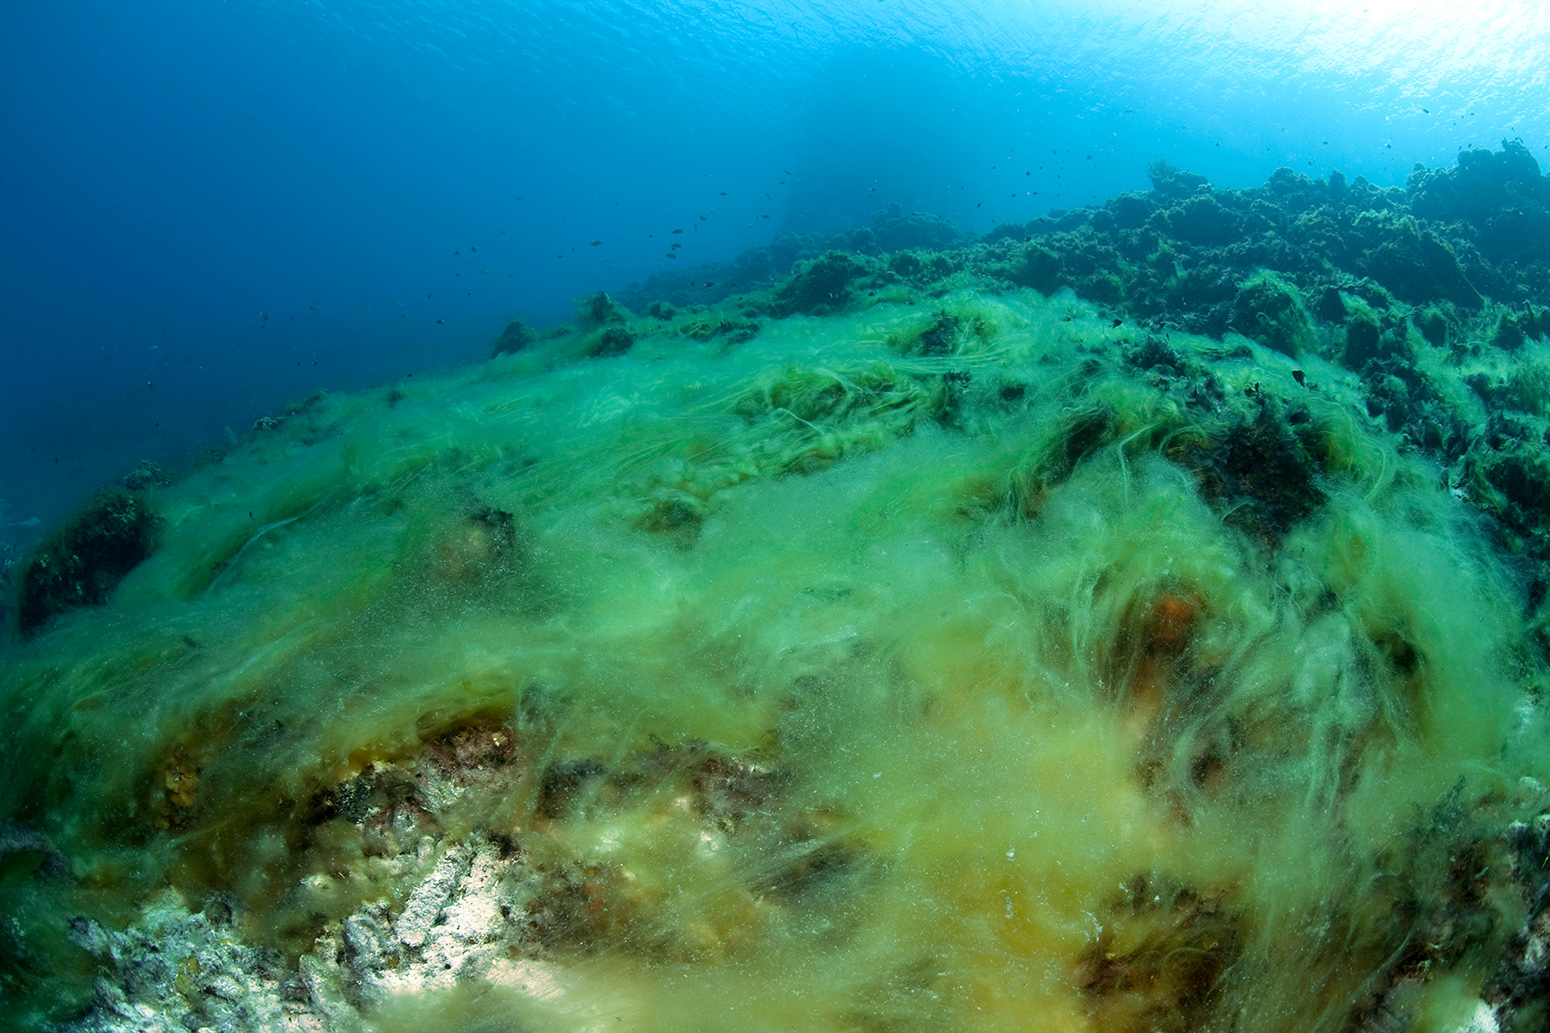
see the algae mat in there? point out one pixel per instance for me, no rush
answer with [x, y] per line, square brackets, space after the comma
[964, 660]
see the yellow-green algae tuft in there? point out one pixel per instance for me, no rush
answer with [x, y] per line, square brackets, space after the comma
[962, 665]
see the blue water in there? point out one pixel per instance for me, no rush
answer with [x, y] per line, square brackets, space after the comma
[212, 208]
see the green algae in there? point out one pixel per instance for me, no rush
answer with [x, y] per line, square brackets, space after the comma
[968, 660]
[958, 656]
[1270, 311]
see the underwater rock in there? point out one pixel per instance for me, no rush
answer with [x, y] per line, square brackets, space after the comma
[147, 474]
[895, 230]
[1500, 196]
[598, 310]
[516, 336]
[614, 341]
[819, 287]
[1270, 311]
[81, 563]
[176, 969]
[760, 268]
[1173, 183]
[1038, 267]
[1203, 220]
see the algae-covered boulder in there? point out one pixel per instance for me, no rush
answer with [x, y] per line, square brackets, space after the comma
[82, 562]
[1484, 185]
[895, 230]
[1271, 311]
[819, 286]
[1174, 183]
[614, 340]
[1203, 220]
[600, 309]
[516, 336]
[1130, 211]
[1037, 267]
[1416, 264]
[147, 474]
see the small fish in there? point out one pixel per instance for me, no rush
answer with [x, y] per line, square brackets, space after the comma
[472, 249]
[1301, 377]
[595, 243]
[1116, 323]
[703, 219]
[671, 255]
[723, 193]
[441, 320]
[678, 231]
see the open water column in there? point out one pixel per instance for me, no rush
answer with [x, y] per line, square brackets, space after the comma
[1105, 615]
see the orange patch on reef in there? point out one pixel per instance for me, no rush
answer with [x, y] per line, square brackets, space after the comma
[1166, 629]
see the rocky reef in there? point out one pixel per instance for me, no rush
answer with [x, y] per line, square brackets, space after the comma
[1133, 620]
